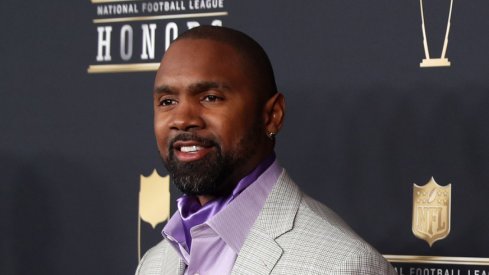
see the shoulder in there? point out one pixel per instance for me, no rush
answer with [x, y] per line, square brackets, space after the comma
[324, 242]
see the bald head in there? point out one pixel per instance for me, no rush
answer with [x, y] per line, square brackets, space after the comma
[254, 58]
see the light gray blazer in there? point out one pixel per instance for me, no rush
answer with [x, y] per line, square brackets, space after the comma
[293, 234]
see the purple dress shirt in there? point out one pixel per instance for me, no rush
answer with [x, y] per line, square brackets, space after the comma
[208, 238]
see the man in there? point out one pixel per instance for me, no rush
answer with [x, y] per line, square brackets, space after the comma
[216, 114]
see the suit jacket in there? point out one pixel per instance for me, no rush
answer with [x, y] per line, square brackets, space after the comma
[293, 234]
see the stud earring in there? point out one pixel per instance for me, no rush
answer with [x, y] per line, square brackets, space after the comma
[271, 135]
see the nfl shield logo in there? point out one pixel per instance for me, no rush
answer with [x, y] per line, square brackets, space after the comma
[154, 199]
[431, 211]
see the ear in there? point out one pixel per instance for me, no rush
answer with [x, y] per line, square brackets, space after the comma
[274, 113]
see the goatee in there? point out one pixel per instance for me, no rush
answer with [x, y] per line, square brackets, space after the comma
[206, 176]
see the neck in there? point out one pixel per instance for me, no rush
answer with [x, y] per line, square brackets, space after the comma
[203, 199]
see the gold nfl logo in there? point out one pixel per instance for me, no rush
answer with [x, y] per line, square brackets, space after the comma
[431, 211]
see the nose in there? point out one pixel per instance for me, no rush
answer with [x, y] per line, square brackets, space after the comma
[186, 117]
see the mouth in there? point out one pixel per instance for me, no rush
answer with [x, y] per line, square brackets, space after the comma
[191, 150]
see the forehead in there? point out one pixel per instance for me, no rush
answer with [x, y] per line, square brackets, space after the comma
[206, 57]
[200, 47]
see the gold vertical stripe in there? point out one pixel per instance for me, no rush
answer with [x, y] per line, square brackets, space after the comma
[139, 231]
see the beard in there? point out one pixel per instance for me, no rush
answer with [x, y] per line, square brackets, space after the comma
[209, 175]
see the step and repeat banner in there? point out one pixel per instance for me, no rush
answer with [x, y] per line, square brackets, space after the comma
[387, 123]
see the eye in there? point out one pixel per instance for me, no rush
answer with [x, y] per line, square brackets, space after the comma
[167, 102]
[212, 98]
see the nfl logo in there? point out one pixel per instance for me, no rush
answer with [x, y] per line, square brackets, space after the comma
[431, 211]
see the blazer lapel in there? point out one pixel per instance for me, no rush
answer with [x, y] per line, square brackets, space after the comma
[258, 255]
[172, 263]
[181, 267]
[260, 252]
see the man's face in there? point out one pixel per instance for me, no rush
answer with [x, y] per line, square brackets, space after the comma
[207, 117]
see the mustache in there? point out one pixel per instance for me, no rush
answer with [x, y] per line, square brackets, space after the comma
[204, 141]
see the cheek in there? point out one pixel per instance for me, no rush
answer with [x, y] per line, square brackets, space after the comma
[161, 133]
[231, 130]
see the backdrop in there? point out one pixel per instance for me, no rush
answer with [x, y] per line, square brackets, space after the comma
[364, 123]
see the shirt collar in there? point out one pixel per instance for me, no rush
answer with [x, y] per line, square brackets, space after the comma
[234, 222]
[190, 213]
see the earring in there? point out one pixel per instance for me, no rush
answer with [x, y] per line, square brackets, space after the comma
[271, 135]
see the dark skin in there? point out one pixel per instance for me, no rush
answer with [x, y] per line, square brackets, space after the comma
[205, 87]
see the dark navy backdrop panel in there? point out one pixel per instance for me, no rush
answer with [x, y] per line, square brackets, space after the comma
[363, 123]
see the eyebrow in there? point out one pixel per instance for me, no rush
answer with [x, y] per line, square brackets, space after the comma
[163, 89]
[194, 88]
[205, 86]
